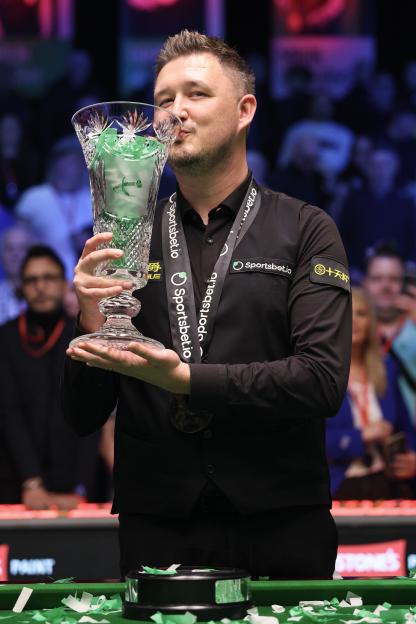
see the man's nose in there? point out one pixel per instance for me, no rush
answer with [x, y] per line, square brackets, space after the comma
[179, 108]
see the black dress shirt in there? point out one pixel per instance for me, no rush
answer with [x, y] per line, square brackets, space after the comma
[205, 242]
[275, 368]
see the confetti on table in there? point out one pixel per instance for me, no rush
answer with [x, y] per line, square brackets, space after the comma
[172, 569]
[22, 599]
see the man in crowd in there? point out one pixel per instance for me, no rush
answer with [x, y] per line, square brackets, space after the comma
[378, 211]
[14, 243]
[59, 210]
[220, 453]
[42, 462]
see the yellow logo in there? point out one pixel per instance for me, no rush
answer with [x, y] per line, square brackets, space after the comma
[154, 270]
[320, 269]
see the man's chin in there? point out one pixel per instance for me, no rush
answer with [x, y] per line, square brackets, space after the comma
[46, 308]
[183, 160]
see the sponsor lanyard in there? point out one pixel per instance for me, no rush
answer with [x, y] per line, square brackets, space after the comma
[191, 333]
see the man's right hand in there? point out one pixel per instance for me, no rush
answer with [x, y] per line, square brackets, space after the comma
[36, 498]
[377, 431]
[89, 288]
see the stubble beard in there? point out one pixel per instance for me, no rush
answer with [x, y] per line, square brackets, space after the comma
[204, 161]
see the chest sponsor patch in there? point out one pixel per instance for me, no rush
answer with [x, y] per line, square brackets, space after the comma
[327, 271]
[262, 265]
[154, 271]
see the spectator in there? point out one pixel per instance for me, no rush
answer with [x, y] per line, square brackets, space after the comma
[290, 109]
[401, 132]
[19, 161]
[372, 410]
[382, 92]
[335, 140]
[379, 211]
[14, 243]
[353, 177]
[301, 177]
[42, 462]
[59, 211]
[396, 316]
[354, 110]
[61, 100]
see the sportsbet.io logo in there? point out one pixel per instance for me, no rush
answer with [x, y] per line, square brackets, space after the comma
[237, 265]
[178, 279]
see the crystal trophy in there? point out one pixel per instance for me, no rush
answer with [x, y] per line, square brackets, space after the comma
[125, 146]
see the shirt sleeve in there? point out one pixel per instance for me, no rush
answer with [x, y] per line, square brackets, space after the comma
[313, 378]
[88, 395]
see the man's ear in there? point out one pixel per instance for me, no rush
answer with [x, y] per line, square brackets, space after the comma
[247, 108]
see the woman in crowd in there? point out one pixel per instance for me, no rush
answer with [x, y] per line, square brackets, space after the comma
[362, 439]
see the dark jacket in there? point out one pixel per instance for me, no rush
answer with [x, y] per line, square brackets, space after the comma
[35, 440]
[344, 442]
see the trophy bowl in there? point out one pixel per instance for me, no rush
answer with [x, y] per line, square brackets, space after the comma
[125, 146]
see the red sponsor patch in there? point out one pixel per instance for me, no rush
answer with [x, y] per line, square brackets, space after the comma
[367, 560]
[4, 561]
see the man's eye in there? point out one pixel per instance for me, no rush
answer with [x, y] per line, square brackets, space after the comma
[197, 94]
[165, 102]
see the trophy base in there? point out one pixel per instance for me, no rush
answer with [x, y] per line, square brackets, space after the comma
[117, 338]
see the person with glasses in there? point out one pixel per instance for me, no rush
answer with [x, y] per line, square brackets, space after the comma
[219, 438]
[42, 461]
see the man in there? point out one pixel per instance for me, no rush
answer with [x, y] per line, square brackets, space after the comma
[14, 243]
[219, 454]
[42, 462]
[59, 210]
[378, 211]
[395, 307]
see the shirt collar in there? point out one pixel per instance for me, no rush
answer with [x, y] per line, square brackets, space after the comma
[232, 202]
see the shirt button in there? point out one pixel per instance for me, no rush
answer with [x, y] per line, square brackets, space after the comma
[210, 469]
[207, 434]
[210, 241]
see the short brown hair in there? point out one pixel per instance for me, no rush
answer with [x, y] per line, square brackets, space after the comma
[189, 42]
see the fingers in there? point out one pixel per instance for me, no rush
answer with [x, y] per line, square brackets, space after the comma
[100, 287]
[159, 358]
[90, 262]
[96, 240]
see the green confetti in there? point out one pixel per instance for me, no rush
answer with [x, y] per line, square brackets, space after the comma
[70, 579]
[185, 618]
[158, 571]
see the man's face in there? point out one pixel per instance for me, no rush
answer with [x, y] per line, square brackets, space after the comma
[68, 173]
[15, 245]
[43, 285]
[206, 97]
[383, 283]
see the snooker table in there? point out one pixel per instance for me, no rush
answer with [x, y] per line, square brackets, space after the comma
[400, 593]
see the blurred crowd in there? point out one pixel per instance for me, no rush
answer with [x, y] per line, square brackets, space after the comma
[355, 158]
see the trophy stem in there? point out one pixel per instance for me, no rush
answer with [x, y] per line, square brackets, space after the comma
[118, 330]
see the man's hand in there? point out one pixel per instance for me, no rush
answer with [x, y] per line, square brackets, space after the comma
[65, 501]
[89, 288]
[36, 498]
[377, 431]
[162, 368]
[404, 465]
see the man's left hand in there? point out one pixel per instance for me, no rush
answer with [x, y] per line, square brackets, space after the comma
[162, 368]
